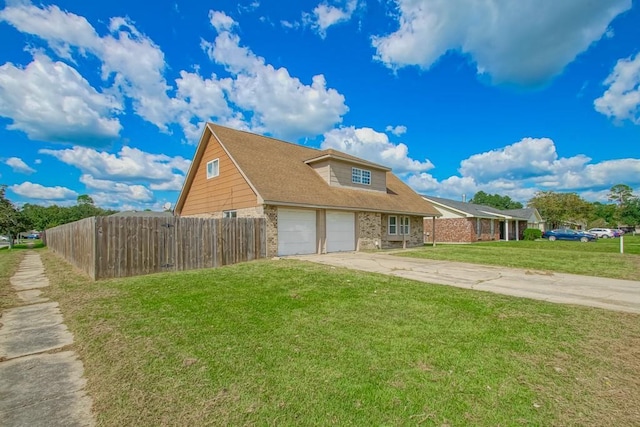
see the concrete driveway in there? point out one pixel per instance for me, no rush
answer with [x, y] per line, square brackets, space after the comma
[612, 294]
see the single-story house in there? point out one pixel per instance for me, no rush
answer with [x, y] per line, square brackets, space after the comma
[534, 220]
[462, 222]
[314, 201]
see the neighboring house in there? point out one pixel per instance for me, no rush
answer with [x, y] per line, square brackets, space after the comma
[534, 220]
[461, 222]
[314, 201]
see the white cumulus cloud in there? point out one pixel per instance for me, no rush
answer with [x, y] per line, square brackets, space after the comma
[279, 103]
[519, 170]
[130, 165]
[530, 157]
[325, 15]
[51, 101]
[396, 130]
[374, 146]
[18, 165]
[525, 42]
[255, 96]
[31, 190]
[621, 100]
[137, 193]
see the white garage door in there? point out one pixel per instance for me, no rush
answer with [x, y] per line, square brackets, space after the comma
[296, 231]
[341, 232]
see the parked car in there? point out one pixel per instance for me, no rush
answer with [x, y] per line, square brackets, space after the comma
[602, 233]
[568, 234]
[4, 239]
[617, 232]
[33, 236]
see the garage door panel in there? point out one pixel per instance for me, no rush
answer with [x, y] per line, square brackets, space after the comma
[296, 232]
[341, 232]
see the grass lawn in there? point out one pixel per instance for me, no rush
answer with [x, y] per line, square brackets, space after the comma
[9, 262]
[292, 343]
[601, 258]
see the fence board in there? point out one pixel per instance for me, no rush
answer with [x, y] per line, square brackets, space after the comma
[107, 247]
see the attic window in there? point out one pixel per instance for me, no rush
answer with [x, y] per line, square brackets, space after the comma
[213, 168]
[360, 176]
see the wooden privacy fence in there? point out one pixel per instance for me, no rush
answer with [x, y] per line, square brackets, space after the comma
[106, 247]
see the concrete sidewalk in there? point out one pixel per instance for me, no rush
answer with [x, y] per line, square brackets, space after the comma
[612, 294]
[40, 383]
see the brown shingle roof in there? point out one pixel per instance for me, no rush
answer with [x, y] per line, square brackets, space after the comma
[334, 154]
[278, 173]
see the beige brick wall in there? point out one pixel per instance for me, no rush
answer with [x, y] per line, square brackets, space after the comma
[369, 230]
[254, 212]
[271, 214]
[415, 238]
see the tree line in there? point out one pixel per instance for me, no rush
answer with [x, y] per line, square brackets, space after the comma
[14, 220]
[559, 209]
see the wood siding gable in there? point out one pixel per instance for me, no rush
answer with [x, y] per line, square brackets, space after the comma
[228, 191]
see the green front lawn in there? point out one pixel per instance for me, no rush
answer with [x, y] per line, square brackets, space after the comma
[293, 344]
[601, 258]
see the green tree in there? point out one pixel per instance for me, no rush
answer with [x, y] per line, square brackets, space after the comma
[559, 209]
[43, 217]
[621, 194]
[12, 221]
[603, 215]
[495, 200]
[629, 213]
[85, 199]
[628, 205]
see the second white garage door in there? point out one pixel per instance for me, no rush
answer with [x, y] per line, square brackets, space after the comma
[296, 231]
[341, 232]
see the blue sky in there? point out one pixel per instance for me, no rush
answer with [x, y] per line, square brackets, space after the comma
[109, 98]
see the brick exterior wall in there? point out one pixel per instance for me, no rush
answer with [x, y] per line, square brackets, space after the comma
[254, 212]
[369, 230]
[271, 214]
[485, 230]
[415, 238]
[452, 230]
[465, 230]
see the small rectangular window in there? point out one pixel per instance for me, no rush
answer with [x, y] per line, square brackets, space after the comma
[360, 176]
[213, 168]
[404, 225]
[393, 225]
[229, 214]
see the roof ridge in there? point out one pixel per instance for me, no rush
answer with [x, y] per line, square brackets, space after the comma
[263, 136]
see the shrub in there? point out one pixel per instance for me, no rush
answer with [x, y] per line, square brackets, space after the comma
[532, 234]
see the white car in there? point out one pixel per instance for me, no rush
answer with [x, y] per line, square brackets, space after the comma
[602, 233]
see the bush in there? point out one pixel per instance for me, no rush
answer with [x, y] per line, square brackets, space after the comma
[532, 234]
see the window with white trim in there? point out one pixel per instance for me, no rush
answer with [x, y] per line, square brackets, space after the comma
[213, 168]
[399, 225]
[404, 225]
[393, 225]
[229, 214]
[360, 176]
